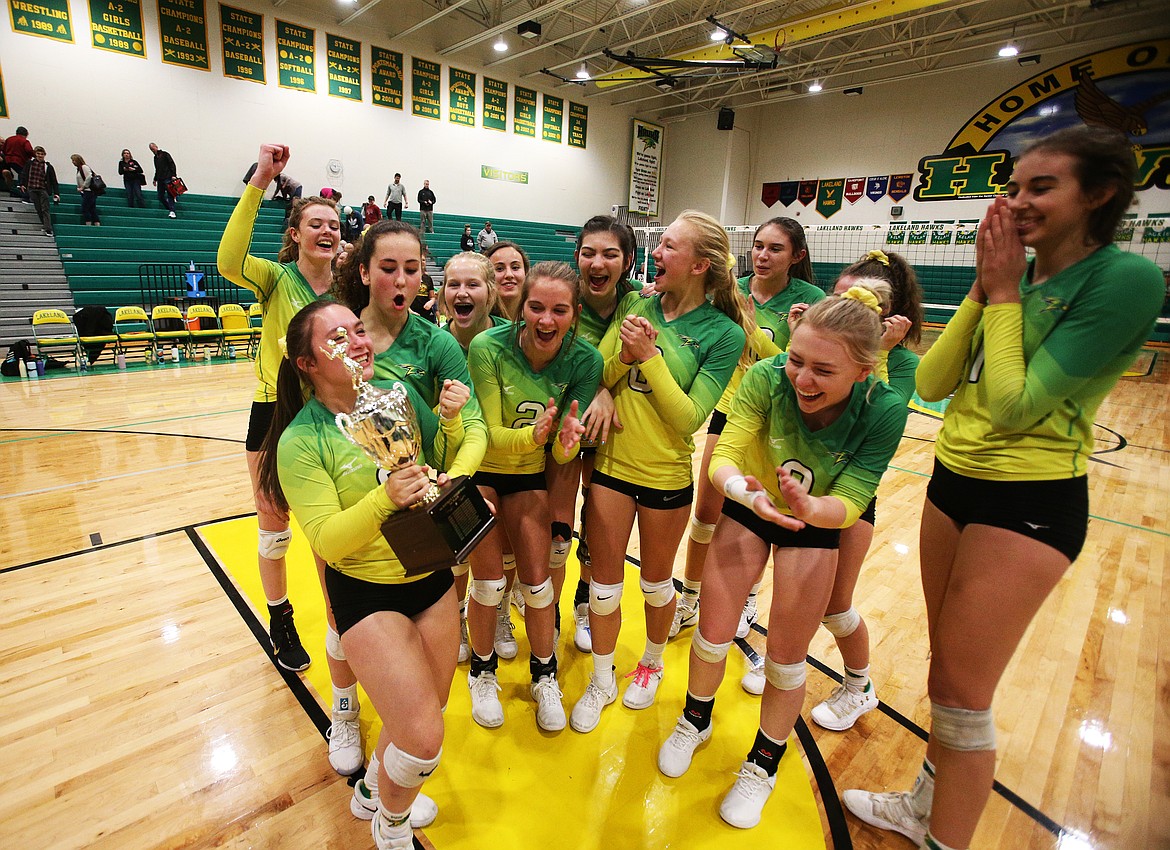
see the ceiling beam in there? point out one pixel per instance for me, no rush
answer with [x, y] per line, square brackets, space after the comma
[357, 13]
[540, 12]
[456, 5]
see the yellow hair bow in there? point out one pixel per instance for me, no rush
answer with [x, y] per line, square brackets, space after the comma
[864, 296]
[731, 261]
[878, 255]
[282, 343]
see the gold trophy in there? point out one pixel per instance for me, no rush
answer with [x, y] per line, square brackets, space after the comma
[443, 527]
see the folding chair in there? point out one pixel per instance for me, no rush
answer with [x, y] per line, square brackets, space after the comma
[133, 330]
[53, 329]
[169, 326]
[203, 326]
[236, 327]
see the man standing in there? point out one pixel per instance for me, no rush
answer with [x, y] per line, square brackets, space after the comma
[487, 237]
[395, 198]
[17, 153]
[39, 181]
[164, 170]
[426, 207]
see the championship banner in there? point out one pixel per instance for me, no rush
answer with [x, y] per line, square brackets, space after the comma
[495, 105]
[524, 112]
[460, 97]
[343, 67]
[788, 191]
[182, 31]
[875, 187]
[117, 26]
[243, 44]
[296, 50]
[900, 185]
[386, 77]
[425, 81]
[942, 232]
[553, 120]
[806, 192]
[829, 196]
[3, 102]
[46, 18]
[578, 125]
[645, 168]
[770, 194]
[918, 233]
[854, 189]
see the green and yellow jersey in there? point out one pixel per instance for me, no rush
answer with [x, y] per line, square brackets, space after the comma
[901, 365]
[1028, 378]
[280, 288]
[663, 401]
[592, 325]
[846, 459]
[513, 395]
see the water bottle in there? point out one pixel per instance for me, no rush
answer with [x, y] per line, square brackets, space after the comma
[84, 362]
[121, 359]
[174, 354]
[40, 367]
[30, 368]
[231, 352]
[22, 368]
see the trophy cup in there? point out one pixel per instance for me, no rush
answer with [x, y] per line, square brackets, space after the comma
[443, 527]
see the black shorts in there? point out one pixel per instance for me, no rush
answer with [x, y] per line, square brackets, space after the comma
[809, 537]
[258, 421]
[718, 420]
[647, 497]
[507, 483]
[870, 513]
[1055, 513]
[353, 599]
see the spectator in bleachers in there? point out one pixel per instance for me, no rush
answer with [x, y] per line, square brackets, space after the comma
[487, 237]
[351, 224]
[426, 207]
[18, 152]
[89, 212]
[133, 178]
[164, 172]
[371, 212]
[396, 198]
[467, 241]
[38, 181]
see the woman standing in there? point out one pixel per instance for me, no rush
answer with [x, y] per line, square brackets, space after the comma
[511, 265]
[340, 500]
[133, 178]
[528, 376]
[1031, 353]
[781, 271]
[666, 364]
[807, 440]
[89, 211]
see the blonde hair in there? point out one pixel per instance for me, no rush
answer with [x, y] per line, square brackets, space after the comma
[483, 268]
[854, 318]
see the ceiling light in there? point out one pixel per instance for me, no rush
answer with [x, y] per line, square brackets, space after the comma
[666, 84]
[1008, 51]
[582, 72]
[815, 88]
[500, 45]
[718, 35]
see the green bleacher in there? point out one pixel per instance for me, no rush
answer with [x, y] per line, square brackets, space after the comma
[541, 241]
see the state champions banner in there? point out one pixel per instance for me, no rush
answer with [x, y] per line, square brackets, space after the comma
[343, 67]
[386, 77]
[645, 167]
[495, 105]
[425, 82]
[243, 43]
[45, 18]
[182, 32]
[117, 27]
[460, 97]
[296, 51]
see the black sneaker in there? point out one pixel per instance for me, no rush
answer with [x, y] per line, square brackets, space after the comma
[286, 643]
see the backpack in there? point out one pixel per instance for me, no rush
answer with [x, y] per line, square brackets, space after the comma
[19, 352]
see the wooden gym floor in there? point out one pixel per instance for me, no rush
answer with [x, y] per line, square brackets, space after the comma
[139, 709]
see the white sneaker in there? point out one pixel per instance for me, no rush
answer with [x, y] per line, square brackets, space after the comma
[517, 599]
[550, 713]
[486, 709]
[583, 636]
[587, 712]
[841, 710]
[390, 837]
[364, 805]
[172, 215]
[423, 811]
[641, 692]
[505, 640]
[676, 752]
[889, 810]
[464, 641]
[345, 743]
[747, 617]
[686, 613]
[744, 803]
[754, 680]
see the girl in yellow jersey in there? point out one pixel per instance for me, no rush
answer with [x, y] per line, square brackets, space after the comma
[666, 363]
[398, 632]
[511, 265]
[1030, 354]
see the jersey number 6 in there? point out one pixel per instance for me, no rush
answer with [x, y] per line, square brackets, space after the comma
[636, 381]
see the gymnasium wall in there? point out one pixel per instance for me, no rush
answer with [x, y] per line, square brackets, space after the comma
[78, 99]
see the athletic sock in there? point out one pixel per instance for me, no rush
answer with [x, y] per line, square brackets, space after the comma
[345, 699]
[766, 753]
[691, 588]
[934, 844]
[856, 681]
[755, 591]
[652, 657]
[541, 667]
[922, 794]
[603, 671]
[697, 711]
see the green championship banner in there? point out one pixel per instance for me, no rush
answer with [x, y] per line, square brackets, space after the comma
[829, 194]
[3, 102]
[182, 29]
[386, 77]
[495, 104]
[344, 67]
[461, 97]
[578, 125]
[524, 112]
[424, 88]
[296, 52]
[489, 172]
[117, 26]
[554, 119]
[243, 44]
[46, 18]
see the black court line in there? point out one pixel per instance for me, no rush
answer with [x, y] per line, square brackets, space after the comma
[117, 431]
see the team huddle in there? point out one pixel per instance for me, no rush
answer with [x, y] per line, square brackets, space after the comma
[564, 380]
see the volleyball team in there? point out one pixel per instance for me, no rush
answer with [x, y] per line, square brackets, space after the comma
[549, 380]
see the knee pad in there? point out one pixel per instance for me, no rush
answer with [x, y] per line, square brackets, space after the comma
[701, 532]
[459, 569]
[604, 598]
[785, 677]
[843, 624]
[406, 770]
[509, 561]
[962, 729]
[658, 594]
[273, 544]
[704, 650]
[333, 644]
[563, 530]
[537, 595]
[558, 553]
[488, 592]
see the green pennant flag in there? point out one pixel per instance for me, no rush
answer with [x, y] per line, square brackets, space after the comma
[829, 194]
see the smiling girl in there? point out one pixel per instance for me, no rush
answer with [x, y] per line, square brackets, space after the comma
[511, 265]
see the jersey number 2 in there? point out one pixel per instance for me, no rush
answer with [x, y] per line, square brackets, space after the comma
[527, 413]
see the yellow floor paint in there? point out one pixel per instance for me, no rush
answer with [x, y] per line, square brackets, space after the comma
[517, 786]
